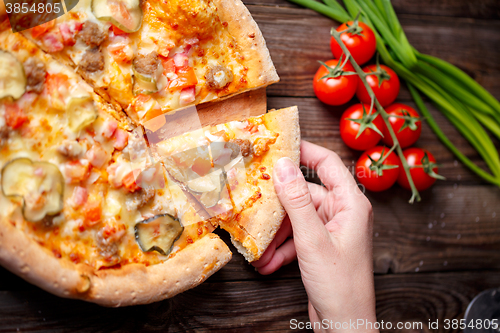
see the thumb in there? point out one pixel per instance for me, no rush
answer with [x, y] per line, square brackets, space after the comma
[294, 195]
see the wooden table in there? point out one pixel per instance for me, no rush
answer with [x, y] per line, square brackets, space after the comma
[431, 258]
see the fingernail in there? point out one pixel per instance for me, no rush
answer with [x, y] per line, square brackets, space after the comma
[286, 170]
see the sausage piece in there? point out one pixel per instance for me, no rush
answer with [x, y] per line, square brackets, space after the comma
[70, 149]
[92, 60]
[245, 146]
[140, 198]
[147, 64]
[4, 134]
[218, 77]
[35, 75]
[91, 34]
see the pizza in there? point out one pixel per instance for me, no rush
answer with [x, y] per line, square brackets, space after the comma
[104, 204]
[151, 57]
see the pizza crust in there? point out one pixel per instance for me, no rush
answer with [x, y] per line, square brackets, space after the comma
[244, 29]
[138, 284]
[130, 285]
[263, 219]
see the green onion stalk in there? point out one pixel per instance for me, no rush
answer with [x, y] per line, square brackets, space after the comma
[467, 105]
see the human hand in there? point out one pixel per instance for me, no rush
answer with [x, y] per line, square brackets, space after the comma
[332, 237]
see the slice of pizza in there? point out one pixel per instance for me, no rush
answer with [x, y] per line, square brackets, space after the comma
[76, 217]
[228, 168]
[150, 57]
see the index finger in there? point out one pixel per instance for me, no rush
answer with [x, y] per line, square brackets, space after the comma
[327, 164]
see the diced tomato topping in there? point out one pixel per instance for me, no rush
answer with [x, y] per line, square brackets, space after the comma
[168, 65]
[69, 31]
[187, 96]
[14, 116]
[186, 77]
[53, 42]
[121, 52]
[145, 111]
[92, 213]
[117, 31]
[129, 182]
[42, 28]
[56, 84]
[121, 139]
[152, 114]
[201, 166]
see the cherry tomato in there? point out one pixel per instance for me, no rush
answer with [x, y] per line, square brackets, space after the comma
[355, 119]
[362, 45]
[407, 130]
[377, 178]
[421, 169]
[386, 92]
[14, 116]
[335, 90]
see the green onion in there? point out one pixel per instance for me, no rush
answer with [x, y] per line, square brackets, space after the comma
[454, 88]
[463, 78]
[333, 4]
[337, 15]
[435, 127]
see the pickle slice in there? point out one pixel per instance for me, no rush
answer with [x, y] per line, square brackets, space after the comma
[12, 78]
[144, 84]
[39, 184]
[158, 233]
[124, 14]
[81, 113]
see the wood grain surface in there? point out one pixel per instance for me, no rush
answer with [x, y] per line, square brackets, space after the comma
[431, 258]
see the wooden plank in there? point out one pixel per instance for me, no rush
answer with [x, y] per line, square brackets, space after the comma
[297, 38]
[451, 229]
[479, 9]
[245, 306]
[424, 297]
[249, 104]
